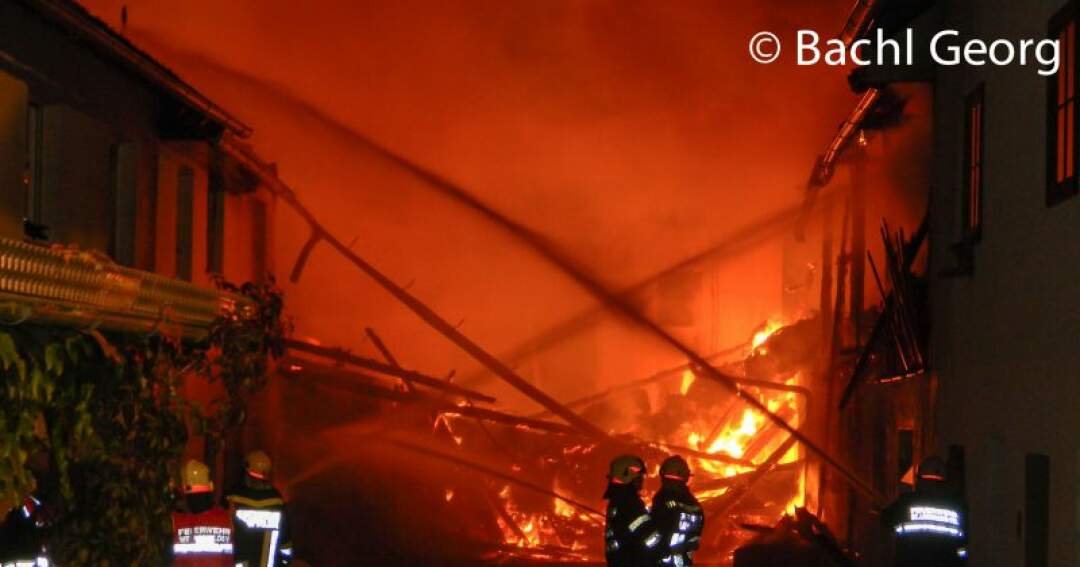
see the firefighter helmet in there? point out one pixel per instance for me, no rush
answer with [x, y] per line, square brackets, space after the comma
[625, 469]
[932, 468]
[675, 468]
[257, 464]
[196, 477]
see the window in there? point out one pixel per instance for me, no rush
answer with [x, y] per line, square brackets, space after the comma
[974, 118]
[32, 178]
[185, 208]
[1061, 111]
[259, 239]
[124, 192]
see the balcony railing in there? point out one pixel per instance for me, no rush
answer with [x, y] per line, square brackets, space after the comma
[75, 288]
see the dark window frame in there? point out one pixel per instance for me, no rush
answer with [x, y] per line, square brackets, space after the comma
[1062, 121]
[974, 158]
[185, 221]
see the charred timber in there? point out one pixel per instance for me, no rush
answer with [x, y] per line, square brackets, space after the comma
[473, 465]
[280, 189]
[910, 251]
[614, 301]
[342, 356]
[362, 384]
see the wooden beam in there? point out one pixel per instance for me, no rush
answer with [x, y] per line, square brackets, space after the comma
[276, 186]
[342, 356]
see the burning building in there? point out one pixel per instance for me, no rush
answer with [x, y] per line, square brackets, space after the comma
[596, 242]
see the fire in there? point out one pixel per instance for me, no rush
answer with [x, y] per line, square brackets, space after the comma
[733, 440]
[745, 434]
[528, 529]
[449, 494]
[771, 326]
[688, 378]
[799, 500]
[563, 509]
[709, 423]
[562, 527]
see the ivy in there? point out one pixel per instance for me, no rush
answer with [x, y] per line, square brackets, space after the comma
[106, 411]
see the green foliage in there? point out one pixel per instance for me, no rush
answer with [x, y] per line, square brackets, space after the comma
[240, 345]
[104, 417]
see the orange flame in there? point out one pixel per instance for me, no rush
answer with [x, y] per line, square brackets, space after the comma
[771, 326]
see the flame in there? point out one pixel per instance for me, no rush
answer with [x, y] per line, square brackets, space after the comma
[533, 529]
[563, 509]
[771, 326]
[561, 526]
[688, 378]
[799, 499]
[449, 494]
[740, 436]
[536, 527]
[732, 441]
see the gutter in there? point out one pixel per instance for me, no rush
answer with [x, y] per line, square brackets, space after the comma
[859, 21]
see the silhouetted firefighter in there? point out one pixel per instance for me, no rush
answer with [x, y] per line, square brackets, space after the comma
[929, 524]
[630, 535]
[262, 532]
[677, 514]
[23, 534]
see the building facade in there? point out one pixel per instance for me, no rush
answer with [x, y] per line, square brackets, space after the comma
[113, 152]
[104, 148]
[1005, 322]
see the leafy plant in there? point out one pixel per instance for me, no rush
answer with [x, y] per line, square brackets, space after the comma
[100, 419]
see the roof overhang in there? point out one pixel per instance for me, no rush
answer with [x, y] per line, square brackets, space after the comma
[193, 110]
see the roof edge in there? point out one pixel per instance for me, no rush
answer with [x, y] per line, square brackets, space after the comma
[75, 16]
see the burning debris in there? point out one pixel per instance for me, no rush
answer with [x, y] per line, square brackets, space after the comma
[739, 417]
[540, 479]
[797, 539]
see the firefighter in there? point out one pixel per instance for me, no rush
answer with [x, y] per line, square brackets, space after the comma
[203, 532]
[262, 533]
[23, 535]
[677, 514]
[22, 540]
[631, 538]
[929, 525]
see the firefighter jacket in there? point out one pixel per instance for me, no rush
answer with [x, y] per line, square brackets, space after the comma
[262, 532]
[630, 537]
[929, 527]
[680, 519]
[21, 537]
[202, 539]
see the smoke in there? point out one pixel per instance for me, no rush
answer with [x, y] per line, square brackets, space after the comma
[629, 136]
[626, 137]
